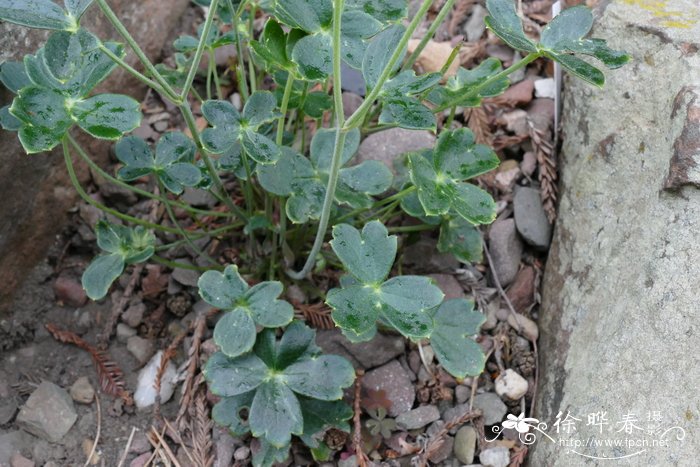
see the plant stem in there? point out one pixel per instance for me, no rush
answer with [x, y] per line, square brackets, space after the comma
[133, 72]
[283, 108]
[200, 49]
[251, 33]
[248, 185]
[181, 230]
[217, 83]
[474, 91]
[429, 34]
[114, 21]
[340, 135]
[240, 75]
[146, 194]
[192, 125]
[451, 118]
[382, 202]
[76, 184]
[210, 71]
[357, 117]
[197, 235]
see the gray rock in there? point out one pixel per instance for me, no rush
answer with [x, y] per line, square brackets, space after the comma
[142, 349]
[18, 460]
[474, 27]
[370, 354]
[198, 198]
[82, 391]
[396, 384]
[186, 277]
[418, 418]
[387, 145]
[449, 285]
[491, 406]
[465, 444]
[351, 102]
[14, 442]
[124, 332]
[424, 257]
[134, 314]
[495, 457]
[224, 446]
[530, 218]
[506, 249]
[48, 413]
[620, 311]
[462, 394]
[443, 452]
[8, 409]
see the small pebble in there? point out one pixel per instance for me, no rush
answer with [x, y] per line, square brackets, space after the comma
[495, 457]
[18, 460]
[87, 449]
[465, 444]
[241, 453]
[124, 332]
[82, 391]
[142, 349]
[524, 326]
[545, 88]
[511, 385]
[418, 418]
[462, 394]
[69, 292]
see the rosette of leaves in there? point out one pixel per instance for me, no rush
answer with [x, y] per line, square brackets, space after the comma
[121, 246]
[172, 163]
[455, 323]
[230, 128]
[458, 236]
[312, 52]
[440, 177]
[44, 14]
[55, 84]
[560, 40]
[402, 302]
[282, 388]
[245, 308]
[466, 88]
[303, 180]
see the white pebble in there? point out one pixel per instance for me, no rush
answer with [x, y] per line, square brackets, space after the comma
[145, 395]
[511, 385]
[544, 88]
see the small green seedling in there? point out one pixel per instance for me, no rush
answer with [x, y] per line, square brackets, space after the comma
[284, 169]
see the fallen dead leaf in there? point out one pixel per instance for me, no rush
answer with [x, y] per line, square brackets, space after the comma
[434, 56]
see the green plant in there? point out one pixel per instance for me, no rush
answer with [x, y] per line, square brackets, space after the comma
[284, 173]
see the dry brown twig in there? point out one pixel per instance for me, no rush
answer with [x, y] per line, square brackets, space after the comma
[478, 121]
[110, 376]
[318, 314]
[122, 459]
[544, 151]
[201, 432]
[435, 441]
[361, 457]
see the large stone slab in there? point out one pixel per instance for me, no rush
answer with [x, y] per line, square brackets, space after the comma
[35, 190]
[620, 315]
